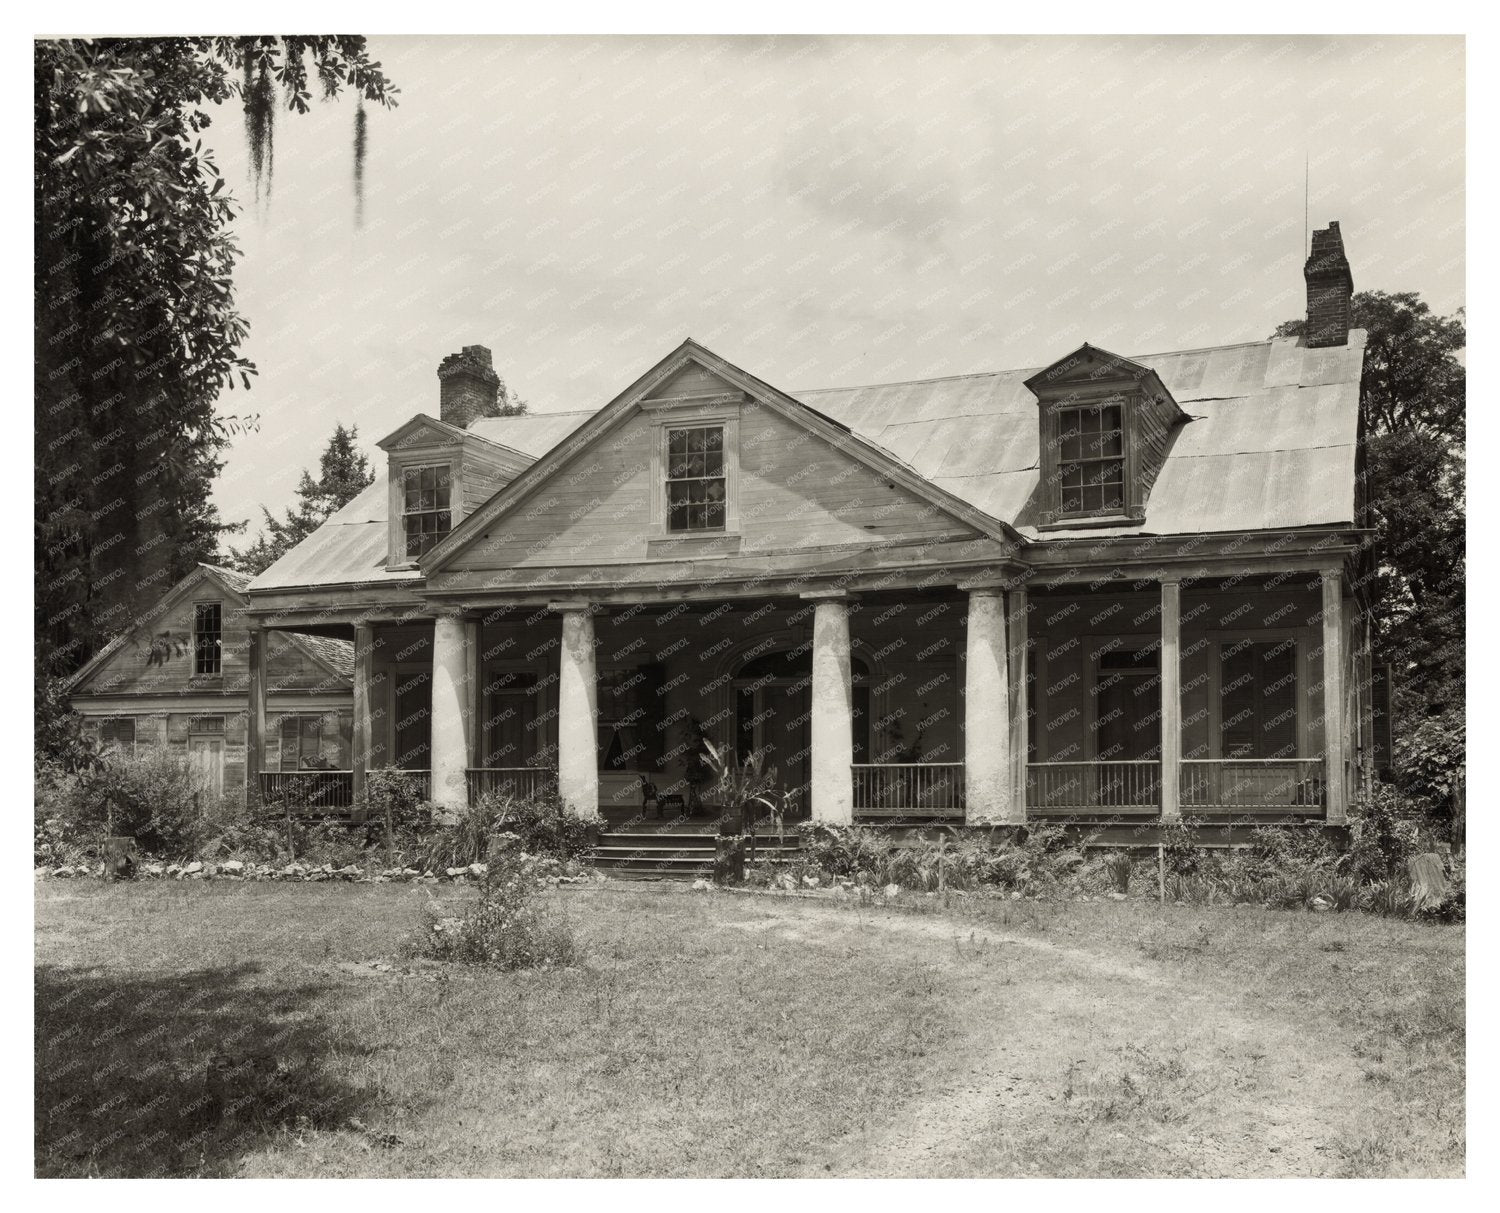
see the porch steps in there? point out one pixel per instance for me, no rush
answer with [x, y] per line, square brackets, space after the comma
[671, 854]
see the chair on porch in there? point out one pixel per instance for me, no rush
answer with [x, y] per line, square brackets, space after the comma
[650, 795]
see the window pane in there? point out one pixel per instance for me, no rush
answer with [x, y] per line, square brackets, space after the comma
[714, 515]
[677, 517]
[1072, 501]
[677, 442]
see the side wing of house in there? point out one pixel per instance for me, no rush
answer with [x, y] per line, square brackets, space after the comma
[179, 681]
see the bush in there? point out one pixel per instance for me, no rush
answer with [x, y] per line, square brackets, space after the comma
[542, 825]
[505, 927]
[151, 797]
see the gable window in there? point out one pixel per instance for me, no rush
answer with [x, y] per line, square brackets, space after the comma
[695, 484]
[1091, 460]
[207, 638]
[426, 513]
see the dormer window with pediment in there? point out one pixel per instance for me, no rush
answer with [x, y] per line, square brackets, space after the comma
[427, 507]
[1105, 425]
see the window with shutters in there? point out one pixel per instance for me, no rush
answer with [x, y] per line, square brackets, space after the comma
[629, 739]
[302, 744]
[208, 643]
[117, 733]
[1258, 699]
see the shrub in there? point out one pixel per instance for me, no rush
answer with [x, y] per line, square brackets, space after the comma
[505, 927]
[152, 797]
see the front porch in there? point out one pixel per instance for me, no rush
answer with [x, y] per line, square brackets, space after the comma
[1222, 700]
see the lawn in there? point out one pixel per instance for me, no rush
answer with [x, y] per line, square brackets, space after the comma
[268, 1029]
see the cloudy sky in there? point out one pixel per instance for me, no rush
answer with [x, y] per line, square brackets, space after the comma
[820, 211]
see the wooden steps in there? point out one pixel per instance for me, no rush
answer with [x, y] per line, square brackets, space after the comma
[671, 854]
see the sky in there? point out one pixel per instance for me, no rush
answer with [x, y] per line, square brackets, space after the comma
[820, 211]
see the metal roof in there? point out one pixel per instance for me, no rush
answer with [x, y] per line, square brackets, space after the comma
[1269, 445]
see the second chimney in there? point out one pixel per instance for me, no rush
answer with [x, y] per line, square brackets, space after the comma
[468, 387]
[1330, 288]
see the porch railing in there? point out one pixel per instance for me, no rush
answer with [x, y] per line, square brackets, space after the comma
[524, 783]
[308, 791]
[1113, 788]
[909, 789]
[1253, 783]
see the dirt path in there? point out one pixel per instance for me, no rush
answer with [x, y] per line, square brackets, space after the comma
[1107, 1063]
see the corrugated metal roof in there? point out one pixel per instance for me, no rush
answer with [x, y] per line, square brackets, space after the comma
[1270, 443]
[1269, 446]
[350, 548]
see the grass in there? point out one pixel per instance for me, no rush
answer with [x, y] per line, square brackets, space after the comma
[216, 1029]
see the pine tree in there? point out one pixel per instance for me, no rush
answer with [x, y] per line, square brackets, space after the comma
[344, 472]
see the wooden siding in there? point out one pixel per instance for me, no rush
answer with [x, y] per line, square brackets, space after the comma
[796, 493]
[128, 671]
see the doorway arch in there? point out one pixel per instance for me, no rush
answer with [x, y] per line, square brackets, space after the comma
[772, 712]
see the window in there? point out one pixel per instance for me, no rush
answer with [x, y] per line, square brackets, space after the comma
[425, 512]
[1091, 460]
[302, 743]
[510, 720]
[1258, 699]
[206, 724]
[207, 638]
[118, 732]
[695, 479]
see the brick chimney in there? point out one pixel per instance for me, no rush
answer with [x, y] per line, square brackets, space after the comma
[468, 386]
[1330, 287]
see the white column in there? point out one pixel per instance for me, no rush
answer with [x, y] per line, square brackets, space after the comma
[1171, 701]
[987, 770]
[450, 695]
[577, 702]
[1333, 694]
[832, 714]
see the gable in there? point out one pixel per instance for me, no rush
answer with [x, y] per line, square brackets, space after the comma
[793, 480]
[156, 656]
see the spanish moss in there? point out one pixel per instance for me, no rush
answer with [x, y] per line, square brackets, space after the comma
[359, 165]
[260, 124]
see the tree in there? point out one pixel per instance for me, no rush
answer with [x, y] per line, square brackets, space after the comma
[1413, 395]
[344, 472]
[136, 331]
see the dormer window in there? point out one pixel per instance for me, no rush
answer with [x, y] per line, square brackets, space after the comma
[207, 639]
[1105, 426]
[696, 483]
[1091, 460]
[426, 513]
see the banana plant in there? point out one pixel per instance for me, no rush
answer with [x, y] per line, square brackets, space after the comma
[745, 787]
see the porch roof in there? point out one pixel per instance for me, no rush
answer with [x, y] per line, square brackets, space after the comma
[1269, 445]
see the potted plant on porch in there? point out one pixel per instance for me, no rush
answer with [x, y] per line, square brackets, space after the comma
[747, 791]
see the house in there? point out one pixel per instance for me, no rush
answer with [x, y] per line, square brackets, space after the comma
[1117, 590]
[179, 678]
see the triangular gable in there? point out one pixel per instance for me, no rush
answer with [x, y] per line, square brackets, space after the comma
[1089, 366]
[422, 430]
[688, 376]
[161, 607]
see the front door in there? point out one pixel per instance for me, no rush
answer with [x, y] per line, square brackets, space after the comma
[775, 716]
[206, 761]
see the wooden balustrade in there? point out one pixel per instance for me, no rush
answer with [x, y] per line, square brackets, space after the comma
[315, 792]
[523, 783]
[908, 789]
[1111, 788]
[1231, 784]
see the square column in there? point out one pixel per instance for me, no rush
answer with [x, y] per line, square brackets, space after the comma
[1333, 696]
[255, 731]
[363, 731]
[832, 712]
[577, 712]
[1171, 701]
[988, 778]
[450, 702]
